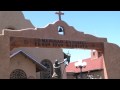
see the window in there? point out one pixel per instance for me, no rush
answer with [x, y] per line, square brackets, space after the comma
[99, 54]
[47, 74]
[18, 74]
[93, 53]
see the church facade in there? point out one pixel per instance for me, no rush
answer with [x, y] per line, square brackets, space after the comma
[28, 62]
[29, 52]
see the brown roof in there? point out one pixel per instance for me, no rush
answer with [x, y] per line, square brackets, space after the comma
[96, 64]
[40, 53]
[38, 65]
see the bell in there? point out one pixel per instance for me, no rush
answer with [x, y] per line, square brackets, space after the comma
[60, 30]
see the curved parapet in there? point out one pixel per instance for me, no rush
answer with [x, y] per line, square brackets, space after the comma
[51, 32]
[13, 20]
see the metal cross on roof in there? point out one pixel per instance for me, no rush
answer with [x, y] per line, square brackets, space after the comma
[59, 14]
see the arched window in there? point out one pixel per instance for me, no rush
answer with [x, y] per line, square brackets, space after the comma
[47, 74]
[18, 74]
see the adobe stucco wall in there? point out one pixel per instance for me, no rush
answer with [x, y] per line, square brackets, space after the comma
[4, 57]
[19, 61]
[112, 60]
[13, 19]
[51, 32]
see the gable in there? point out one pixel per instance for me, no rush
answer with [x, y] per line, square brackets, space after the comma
[39, 65]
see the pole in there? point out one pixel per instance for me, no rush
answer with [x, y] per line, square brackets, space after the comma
[81, 72]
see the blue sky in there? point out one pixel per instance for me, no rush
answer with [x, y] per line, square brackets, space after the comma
[98, 23]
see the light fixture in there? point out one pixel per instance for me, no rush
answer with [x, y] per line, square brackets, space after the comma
[80, 65]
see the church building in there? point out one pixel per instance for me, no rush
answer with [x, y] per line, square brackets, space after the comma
[28, 52]
[92, 70]
[28, 62]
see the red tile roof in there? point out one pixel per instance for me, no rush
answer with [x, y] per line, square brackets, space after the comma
[94, 64]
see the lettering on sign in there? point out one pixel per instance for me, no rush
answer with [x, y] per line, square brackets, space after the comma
[52, 43]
